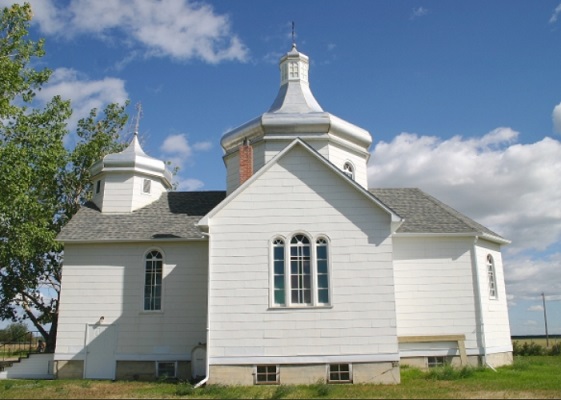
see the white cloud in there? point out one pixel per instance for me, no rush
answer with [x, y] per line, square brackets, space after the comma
[202, 146]
[418, 12]
[555, 14]
[512, 188]
[180, 29]
[528, 277]
[178, 151]
[189, 184]
[177, 145]
[556, 115]
[535, 308]
[84, 94]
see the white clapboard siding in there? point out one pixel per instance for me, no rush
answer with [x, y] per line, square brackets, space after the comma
[123, 192]
[495, 311]
[108, 280]
[434, 287]
[313, 200]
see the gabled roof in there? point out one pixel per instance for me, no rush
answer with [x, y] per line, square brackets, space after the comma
[173, 216]
[313, 153]
[176, 215]
[423, 214]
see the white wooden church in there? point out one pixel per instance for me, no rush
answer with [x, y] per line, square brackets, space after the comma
[297, 273]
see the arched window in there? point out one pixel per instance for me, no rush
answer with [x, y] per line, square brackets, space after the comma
[278, 272]
[322, 263]
[153, 281]
[491, 277]
[300, 271]
[349, 170]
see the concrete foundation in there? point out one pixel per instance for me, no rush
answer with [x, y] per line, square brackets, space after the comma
[380, 373]
[72, 369]
[499, 359]
[146, 370]
[495, 360]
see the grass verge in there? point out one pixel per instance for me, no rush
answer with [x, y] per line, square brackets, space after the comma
[528, 377]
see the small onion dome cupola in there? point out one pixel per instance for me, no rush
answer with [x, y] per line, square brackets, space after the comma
[294, 94]
[295, 113]
[129, 180]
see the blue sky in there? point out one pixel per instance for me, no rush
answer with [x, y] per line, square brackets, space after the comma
[463, 99]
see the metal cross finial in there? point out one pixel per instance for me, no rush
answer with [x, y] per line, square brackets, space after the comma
[138, 115]
[293, 36]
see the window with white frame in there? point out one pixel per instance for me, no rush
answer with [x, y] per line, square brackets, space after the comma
[146, 186]
[266, 375]
[153, 281]
[300, 271]
[279, 294]
[349, 170]
[322, 263]
[491, 276]
[339, 373]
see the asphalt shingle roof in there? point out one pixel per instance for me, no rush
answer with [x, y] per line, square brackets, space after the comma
[174, 215]
[425, 214]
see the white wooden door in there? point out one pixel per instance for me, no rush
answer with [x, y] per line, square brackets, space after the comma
[101, 341]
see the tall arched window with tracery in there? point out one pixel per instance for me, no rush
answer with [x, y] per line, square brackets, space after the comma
[279, 296]
[153, 281]
[492, 278]
[300, 269]
[300, 272]
[322, 270]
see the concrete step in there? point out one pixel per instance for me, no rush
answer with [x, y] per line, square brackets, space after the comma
[37, 366]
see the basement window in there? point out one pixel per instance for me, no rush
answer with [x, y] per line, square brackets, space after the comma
[434, 362]
[166, 369]
[267, 375]
[339, 373]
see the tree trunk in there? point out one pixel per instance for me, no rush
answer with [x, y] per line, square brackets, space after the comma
[51, 339]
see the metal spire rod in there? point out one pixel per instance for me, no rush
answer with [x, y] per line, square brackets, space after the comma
[138, 115]
[293, 35]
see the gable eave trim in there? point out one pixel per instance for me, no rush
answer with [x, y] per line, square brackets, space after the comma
[479, 235]
[153, 240]
[205, 221]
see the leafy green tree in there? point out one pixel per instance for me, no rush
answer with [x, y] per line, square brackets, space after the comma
[14, 333]
[42, 183]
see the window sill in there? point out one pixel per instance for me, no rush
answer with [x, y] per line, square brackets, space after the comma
[300, 307]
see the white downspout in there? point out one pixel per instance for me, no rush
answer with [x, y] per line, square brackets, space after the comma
[481, 320]
[206, 378]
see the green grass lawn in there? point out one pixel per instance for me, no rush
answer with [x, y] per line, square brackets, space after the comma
[529, 377]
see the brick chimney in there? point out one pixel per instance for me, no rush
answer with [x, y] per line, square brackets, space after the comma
[246, 161]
